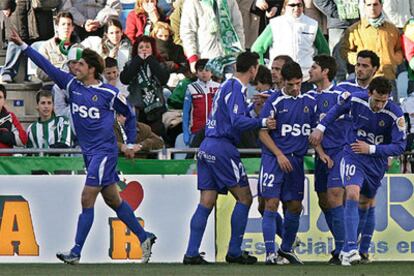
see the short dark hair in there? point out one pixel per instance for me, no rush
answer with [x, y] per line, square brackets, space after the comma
[381, 85]
[264, 75]
[93, 59]
[291, 70]
[327, 62]
[201, 64]
[3, 89]
[63, 15]
[375, 60]
[110, 62]
[285, 58]
[246, 60]
[43, 93]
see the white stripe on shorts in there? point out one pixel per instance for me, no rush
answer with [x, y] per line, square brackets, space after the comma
[102, 169]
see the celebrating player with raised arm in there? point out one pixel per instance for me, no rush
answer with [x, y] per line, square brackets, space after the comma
[378, 131]
[282, 175]
[219, 167]
[92, 105]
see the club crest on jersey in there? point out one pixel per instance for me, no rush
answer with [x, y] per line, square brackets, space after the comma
[381, 123]
[325, 103]
[94, 98]
[306, 109]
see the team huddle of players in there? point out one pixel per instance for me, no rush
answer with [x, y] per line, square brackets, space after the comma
[354, 128]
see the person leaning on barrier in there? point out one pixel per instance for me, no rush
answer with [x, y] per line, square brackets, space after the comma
[147, 140]
[11, 131]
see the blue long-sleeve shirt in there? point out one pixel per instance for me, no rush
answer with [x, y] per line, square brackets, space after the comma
[92, 108]
[229, 114]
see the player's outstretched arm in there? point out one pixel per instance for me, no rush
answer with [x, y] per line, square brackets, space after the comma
[61, 78]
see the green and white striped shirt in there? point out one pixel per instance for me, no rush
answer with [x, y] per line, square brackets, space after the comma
[50, 132]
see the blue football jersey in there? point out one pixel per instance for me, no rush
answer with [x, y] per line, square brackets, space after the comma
[335, 135]
[351, 86]
[92, 107]
[295, 118]
[229, 113]
[385, 129]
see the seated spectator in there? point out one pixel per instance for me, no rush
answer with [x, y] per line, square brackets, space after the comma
[31, 24]
[198, 101]
[176, 99]
[91, 16]
[145, 76]
[111, 75]
[172, 53]
[141, 19]
[114, 43]
[146, 139]
[49, 131]
[56, 48]
[11, 131]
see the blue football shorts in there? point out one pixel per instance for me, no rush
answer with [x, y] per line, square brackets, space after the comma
[101, 169]
[328, 178]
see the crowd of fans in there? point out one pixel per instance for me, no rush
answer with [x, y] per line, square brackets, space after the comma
[168, 59]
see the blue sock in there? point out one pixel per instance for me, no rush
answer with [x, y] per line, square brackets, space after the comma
[197, 226]
[269, 226]
[351, 227]
[363, 213]
[84, 225]
[279, 224]
[338, 227]
[291, 225]
[126, 215]
[328, 218]
[238, 226]
[367, 231]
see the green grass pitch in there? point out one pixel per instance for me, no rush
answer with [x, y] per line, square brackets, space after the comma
[378, 268]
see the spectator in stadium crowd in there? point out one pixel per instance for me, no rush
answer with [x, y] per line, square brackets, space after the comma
[146, 140]
[49, 131]
[176, 99]
[262, 11]
[293, 34]
[61, 96]
[145, 74]
[313, 12]
[92, 112]
[340, 15]
[141, 19]
[198, 101]
[111, 75]
[408, 47]
[56, 48]
[175, 21]
[172, 54]
[276, 69]
[32, 24]
[114, 43]
[374, 33]
[211, 29]
[90, 16]
[11, 131]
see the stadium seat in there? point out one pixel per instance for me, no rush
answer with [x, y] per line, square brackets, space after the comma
[179, 144]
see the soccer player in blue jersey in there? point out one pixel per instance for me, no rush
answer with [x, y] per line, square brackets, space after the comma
[282, 174]
[366, 66]
[92, 107]
[378, 131]
[328, 184]
[219, 168]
